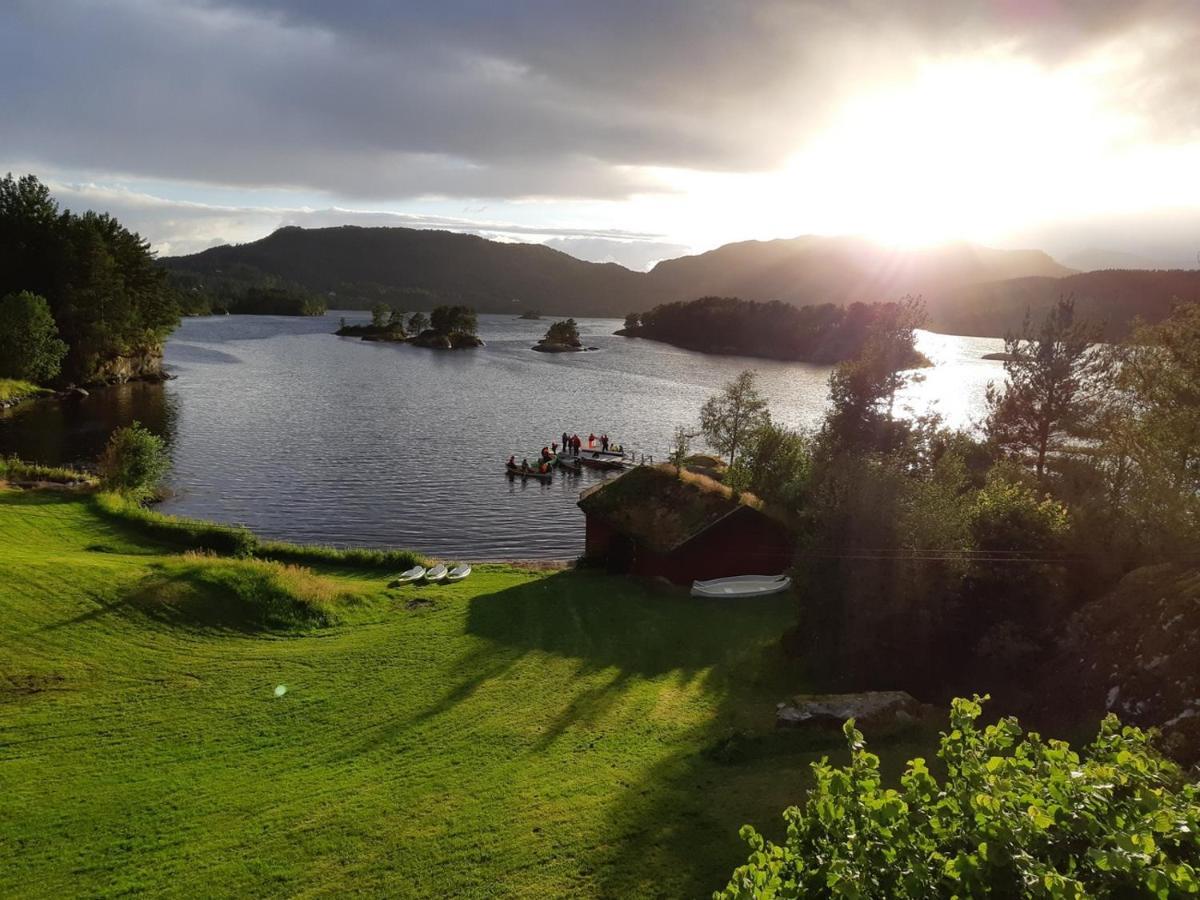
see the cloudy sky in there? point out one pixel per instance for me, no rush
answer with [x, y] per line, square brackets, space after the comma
[629, 131]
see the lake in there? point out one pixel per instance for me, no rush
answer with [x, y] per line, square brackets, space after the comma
[275, 423]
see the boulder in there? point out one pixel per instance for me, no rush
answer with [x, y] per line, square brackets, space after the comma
[873, 711]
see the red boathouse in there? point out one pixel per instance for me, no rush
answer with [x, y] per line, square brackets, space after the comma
[651, 523]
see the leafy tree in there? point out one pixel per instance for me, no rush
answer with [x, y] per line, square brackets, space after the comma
[1054, 377]
[729, 418]
[454, 320]
[30, 348]
[774, 464]
[681, 446]
[863, 389]
[564, 333]
[633, 320]
[417, 323]
[396, 319]
[1015, 815]
[134, 462]
[380, 314]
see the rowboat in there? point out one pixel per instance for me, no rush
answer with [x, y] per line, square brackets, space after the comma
[518, 472]
[595, 461]
[458, 573]
[416, 573]
[569, 463]
[436, 573]
[742, 586]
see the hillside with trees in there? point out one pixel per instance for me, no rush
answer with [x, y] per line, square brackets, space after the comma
[82, 281]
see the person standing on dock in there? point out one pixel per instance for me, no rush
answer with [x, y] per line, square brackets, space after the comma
[604, 442]
[591, 441]
[564, 441]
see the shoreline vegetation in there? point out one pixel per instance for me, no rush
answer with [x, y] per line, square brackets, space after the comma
[825, 334]
[561, 337]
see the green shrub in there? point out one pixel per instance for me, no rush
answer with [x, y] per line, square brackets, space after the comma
[1015, 816]
[134, 462]
[30, 347]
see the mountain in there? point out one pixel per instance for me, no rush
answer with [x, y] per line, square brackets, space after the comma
[1092, 258]
[969, 289]
[434, 266]
[816, 269]
[1113, 297]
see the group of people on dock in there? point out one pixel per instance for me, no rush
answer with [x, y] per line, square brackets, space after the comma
[572, 445]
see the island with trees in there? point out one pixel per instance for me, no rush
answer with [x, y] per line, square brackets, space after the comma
[446, 328]
[818, 334]
[561, 337]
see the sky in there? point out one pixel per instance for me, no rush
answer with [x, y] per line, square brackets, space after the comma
[624, 130]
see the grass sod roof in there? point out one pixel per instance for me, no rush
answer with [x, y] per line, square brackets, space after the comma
[662, 510]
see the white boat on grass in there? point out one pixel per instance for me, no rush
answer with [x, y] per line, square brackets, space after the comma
[416, 573]
[458, 573]
[435, 573]
[742, 586]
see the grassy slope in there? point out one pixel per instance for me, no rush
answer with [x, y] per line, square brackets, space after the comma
[526, 734]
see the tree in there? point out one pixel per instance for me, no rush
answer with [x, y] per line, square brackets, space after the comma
[396, 319]
[134, 462]
[775, 465]
[863, 389]
[682, 446]
[633, 320]
[1054, 377]
[380, 313]
[417, 323]
[727, 419]
[30, 348]
[563, 333]
[1014, 816]
[454, 320]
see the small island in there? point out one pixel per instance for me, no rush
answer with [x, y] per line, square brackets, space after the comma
[530, 314]
[826, 334]
[561, 337]
[446, 328]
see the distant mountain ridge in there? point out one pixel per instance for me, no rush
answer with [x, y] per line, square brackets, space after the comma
[967, 287]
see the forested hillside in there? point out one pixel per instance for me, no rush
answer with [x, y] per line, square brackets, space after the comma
[968, 289]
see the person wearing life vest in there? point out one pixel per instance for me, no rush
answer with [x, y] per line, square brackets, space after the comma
[604, 442]
[591, 441]
[512, 460]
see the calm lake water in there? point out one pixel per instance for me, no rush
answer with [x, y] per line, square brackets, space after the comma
[275, 423]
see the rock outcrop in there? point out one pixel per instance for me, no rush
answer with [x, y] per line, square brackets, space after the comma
[874, 712]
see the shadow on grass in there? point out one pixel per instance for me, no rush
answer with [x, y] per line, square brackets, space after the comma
[675, 824]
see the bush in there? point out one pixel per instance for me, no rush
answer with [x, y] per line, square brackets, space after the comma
[29, 344]
[354, 556]
[13, 469]
[134, 462]
[1015, 816]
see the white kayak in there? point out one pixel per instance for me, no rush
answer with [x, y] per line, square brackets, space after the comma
[416, 573]
[742, 586]
[458, 573]
[435, 573]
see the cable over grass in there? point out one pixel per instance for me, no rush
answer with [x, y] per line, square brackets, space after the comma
[232, 540]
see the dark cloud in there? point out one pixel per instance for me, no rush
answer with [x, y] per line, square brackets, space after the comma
[514, 99]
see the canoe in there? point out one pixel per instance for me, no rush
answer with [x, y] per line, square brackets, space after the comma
[742, 586]
[517, 472]
[416, 573]
[458, 573]
[435, 573]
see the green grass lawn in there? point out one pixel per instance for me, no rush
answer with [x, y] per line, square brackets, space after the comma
[523, 734]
